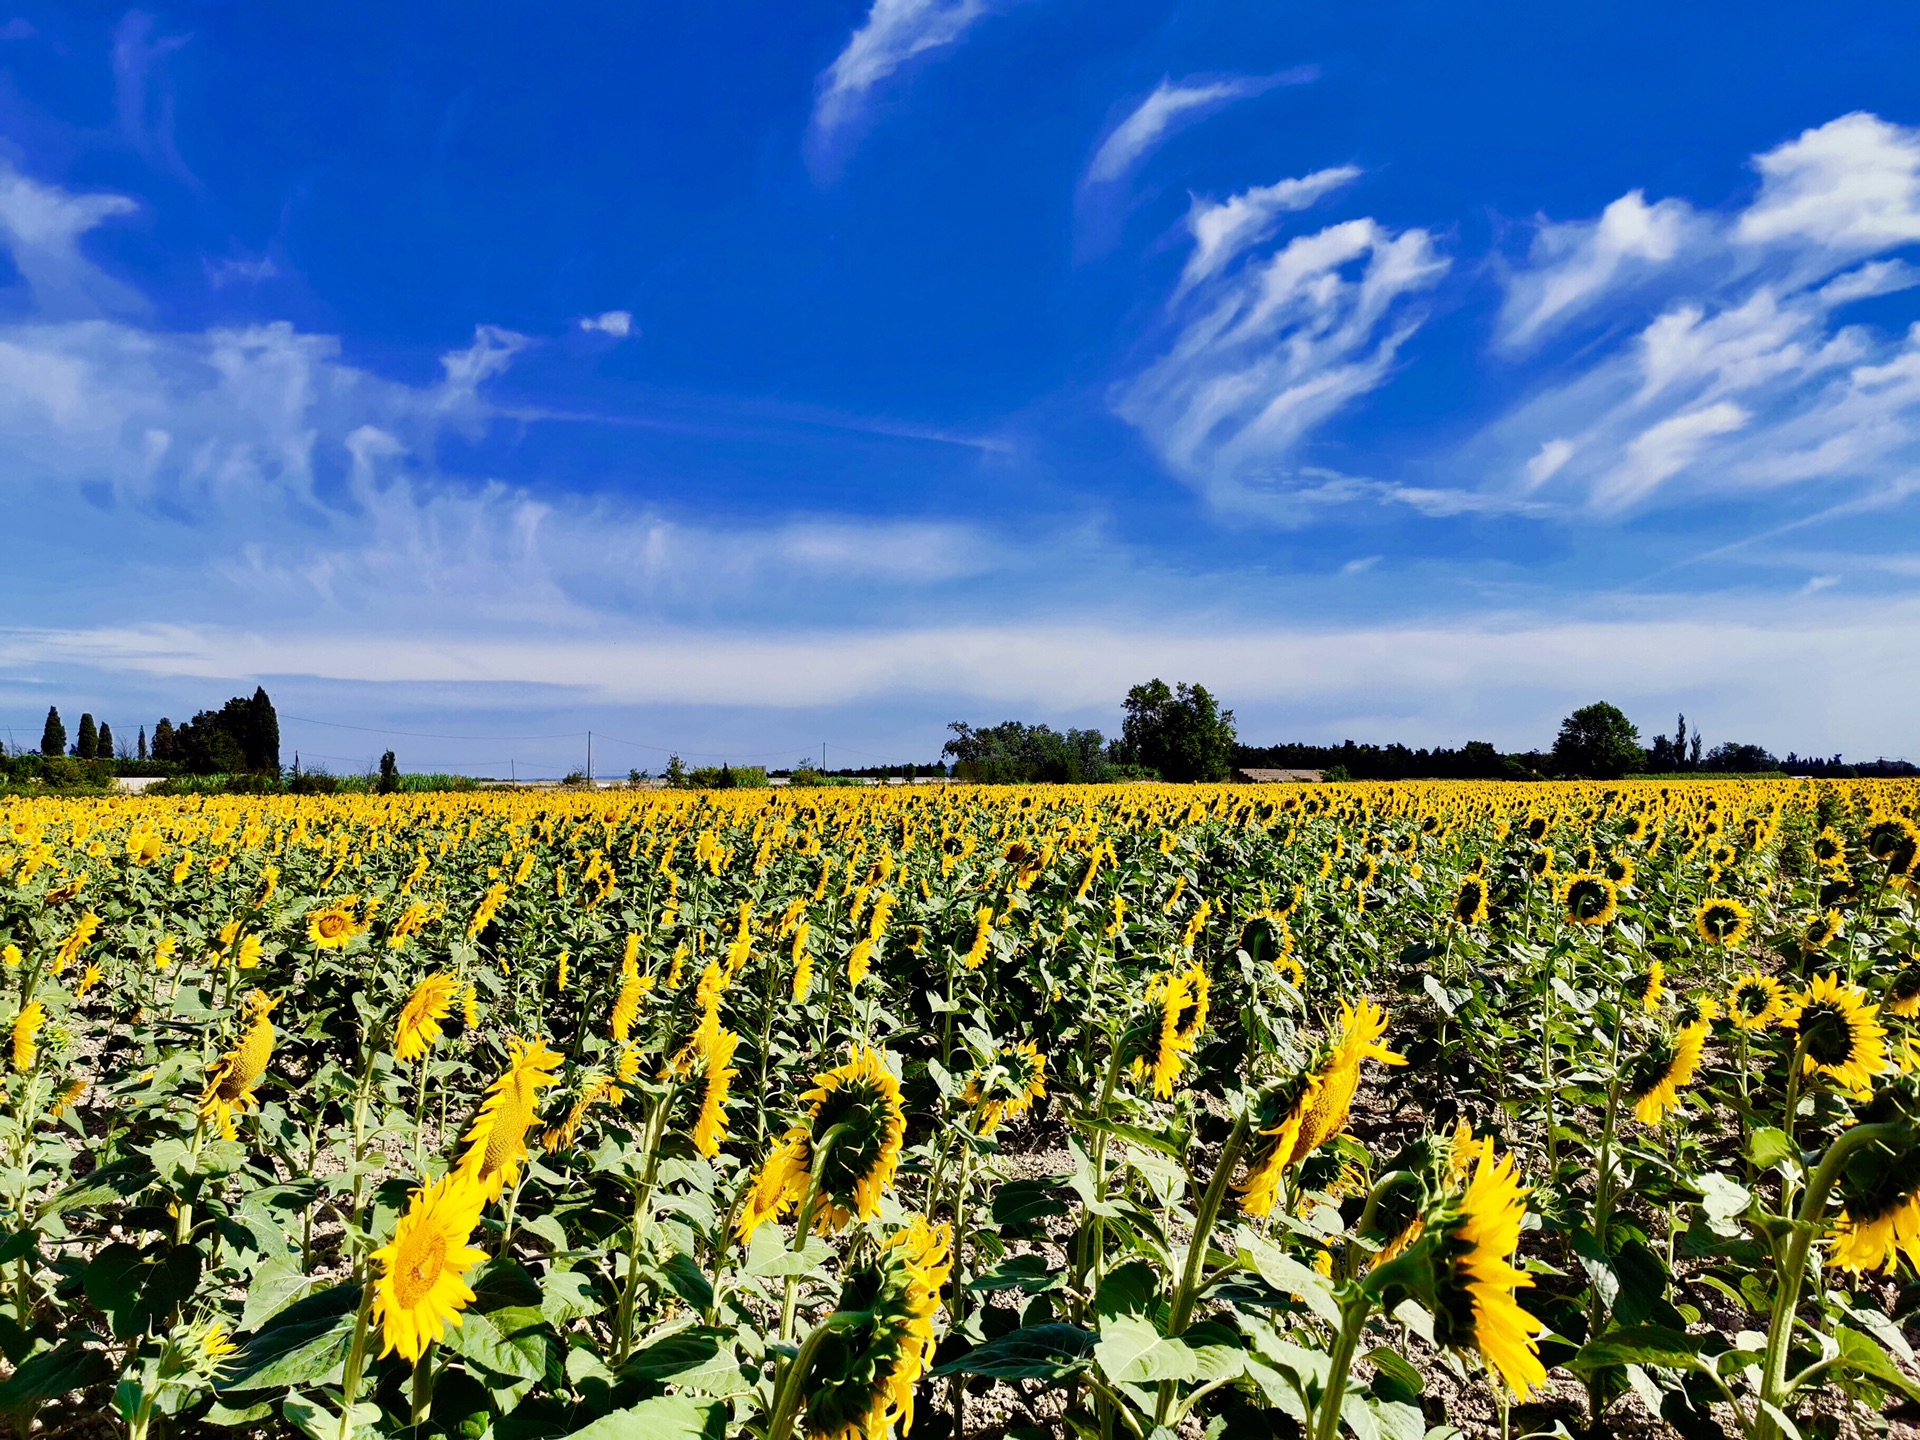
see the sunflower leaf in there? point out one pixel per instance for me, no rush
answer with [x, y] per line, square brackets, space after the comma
[1132, 1351]
[1037, 1352]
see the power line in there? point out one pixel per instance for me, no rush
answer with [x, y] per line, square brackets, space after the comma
[428, 735]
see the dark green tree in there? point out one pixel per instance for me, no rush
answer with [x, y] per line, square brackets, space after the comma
[143, 743]
[389, 775]
[162, 746]
[86, 744]
[53, 739]
[103, 747]
[1597, 742]
[1181, 732]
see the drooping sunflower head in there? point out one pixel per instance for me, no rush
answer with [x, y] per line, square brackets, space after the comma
[418, 1027]
[497, 1141]
[1647, 986]
[856, 1108]
[1821, 931]
[332, 927]
[863, 1374]
[1828, 847]
[1619, 869]
[1181, 1000]
[1474, 1232]
[1903, 993]
[1879, 1189]
[1470, 905]
[1540, 862]
[422, 1286]
[1696, 1008]
[1895, 844]
[1756, 1001]
[1589, 899]
[1839, 1034]
[1721, 921]
[1005, 1087]
[1655, 1077]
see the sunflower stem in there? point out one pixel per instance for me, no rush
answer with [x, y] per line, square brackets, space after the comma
[805, 1227]
[791, 1390]
[1355, 1306]
[356, 1358]
[1203, 1222]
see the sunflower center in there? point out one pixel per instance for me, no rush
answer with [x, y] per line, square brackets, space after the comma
[421, 1261]
[1751, 1000]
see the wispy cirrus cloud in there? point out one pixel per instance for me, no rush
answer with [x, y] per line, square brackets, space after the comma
[1743, 371]
[894, 33]
[1265, 347]
[1173, 105]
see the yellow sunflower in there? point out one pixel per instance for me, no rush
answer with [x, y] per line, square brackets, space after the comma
[1182, 1001]
[26, 1033]
[418, 1027]
[710, 1126]
[1903, 992]
[1649, 986]
[1722, 922]
[1821, 931]
[1470, 904]
[1588, 899]
[1756, 1001]
[1665, 1068]
[858, 1106]
[422, 1285]
[1879, 1191]
[497, 1142]
[1006, 1086]
[861, 1379]
[1843, 1039]
[1473, 1242]
[1313, 1107]
[233, 1081]
[332, 927]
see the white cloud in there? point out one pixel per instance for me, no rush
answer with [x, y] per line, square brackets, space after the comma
[1223, 230]
[225, 272]
[617, 323]
[41, 226]
[894, 32]
[1738, 374]
[1265, 353]
[1172, 105]
[1573, 264]
[1360, 565]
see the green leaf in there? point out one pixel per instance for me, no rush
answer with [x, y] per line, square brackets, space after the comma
[1020, 1202]
[1290, 1277]
[1036, 1352]
[1128, 1289]
[1132, 1351]
[1394, 1368]
[1862, 1355]
[137, 1288]
[477, 1338]
[301, 1345]
[769, 1258]
[51, 1374]
[1021, 1272]
[1767, 1147]
[665, 1417]
[105, 1186]
[1639, 1345]
[272, 1287]
[567, 1295]
[687, 1280]
[1723, 1198]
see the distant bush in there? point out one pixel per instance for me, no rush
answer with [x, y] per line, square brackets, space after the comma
[726, 777]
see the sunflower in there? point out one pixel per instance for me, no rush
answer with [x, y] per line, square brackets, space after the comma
[1842, 1038]
[1540, 863]
[1181, 998]
[861, 1379]
[1663, 1069]
[332, 927]
[233, 1081]
[1648, 986]
[497, 1142]
[1880, 1192]
[1300, 1116]
[422, 1286]
[861, 1101]
[710, 1126]
[418, 1027]
[1620, 869]
[1473, 1239]
[1698, 1008]
[1722, 921]
[596, 1085]
[1829, 848]
[1896, 844]
[1821, 930]
[1589, 899]
[26, 1032]
[1903, 992]
[1470, 904]
[1005, 1087]
[1756, 1001]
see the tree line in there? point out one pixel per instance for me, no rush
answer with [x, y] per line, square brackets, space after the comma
[242, 737]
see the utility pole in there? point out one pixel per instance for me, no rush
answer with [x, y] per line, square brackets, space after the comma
[823, 757]
[513, 775]
[589, 759]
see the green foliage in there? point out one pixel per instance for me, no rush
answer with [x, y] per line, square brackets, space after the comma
[53, 739]
[1597, 742]
[86, 741]
[1011, 753]
[1180, 733]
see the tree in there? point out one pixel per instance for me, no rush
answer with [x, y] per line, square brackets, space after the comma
[162, 747]
[143, 742]
[1011, 753]
[1597, 742]
[1182, 732]
[103, 747]
[53, 739]
[86, 744]
[242, 735]
[389, 774]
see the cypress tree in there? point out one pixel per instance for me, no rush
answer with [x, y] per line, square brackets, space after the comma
[53, 739]
[143, 742]
[88, 740]
[263, 744]
[389, 774]
[103, 748]
[162, 747]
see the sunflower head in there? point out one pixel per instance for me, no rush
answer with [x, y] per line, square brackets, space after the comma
[1536, 827]
[332, 927]
[1821, 930]
[1756, 1001]
[1540, 862]
[422, 1286]
[1895, 844]
[1589, 899]
[1619, 869]
[1648, 987]
[1721, 921]
[1655, 1077]
[859, 1106]
[1903, 994]
[864, 1372]
[1829, 848]
[1470, 904]
[1880, 1186]
[1840, 1035]
[1006, 1086]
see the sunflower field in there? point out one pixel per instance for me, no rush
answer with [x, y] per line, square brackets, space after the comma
[1117, 1113]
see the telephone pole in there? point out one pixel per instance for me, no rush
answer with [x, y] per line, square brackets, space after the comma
[589, 759]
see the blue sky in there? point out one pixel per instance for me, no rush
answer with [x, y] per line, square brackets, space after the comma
[735, 377]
